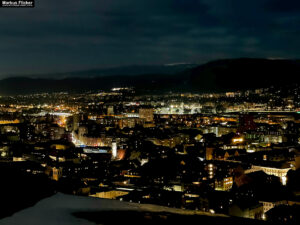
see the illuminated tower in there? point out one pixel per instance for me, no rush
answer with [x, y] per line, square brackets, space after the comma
[114, 150]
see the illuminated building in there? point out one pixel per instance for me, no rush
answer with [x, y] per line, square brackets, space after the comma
[238, 140]
[82, 131]
[90, 150]
[221, 154]
[56, 173]
[3, 122]
[267, 205]
[76, 120]
[177, 188]
[110, 194]
[211, 170]
[147, 114]
[168, 142]
[224, 184]
[209, 152]
[18, 159]
[233, 94]
[59, 146]
[278, 172]
[56, 132]
[110, 110]
[114, 150]
[127, 122]
[247, 210]
[62, 121]
[265, 137]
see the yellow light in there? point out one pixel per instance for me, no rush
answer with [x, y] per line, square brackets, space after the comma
[238, 140]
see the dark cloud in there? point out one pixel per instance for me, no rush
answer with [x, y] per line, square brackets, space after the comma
[74, 34]
[283, 6]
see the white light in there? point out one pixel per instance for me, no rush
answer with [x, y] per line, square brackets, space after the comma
[114, 149]
[283, 180]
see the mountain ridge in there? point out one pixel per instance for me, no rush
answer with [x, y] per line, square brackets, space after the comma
[214, 76]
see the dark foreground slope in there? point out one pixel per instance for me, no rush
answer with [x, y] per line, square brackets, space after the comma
[221, 75]
[63, 209]
[159, 218]
[20, 189]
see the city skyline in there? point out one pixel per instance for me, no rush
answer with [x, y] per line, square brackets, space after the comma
[150, 112]
[233, 156]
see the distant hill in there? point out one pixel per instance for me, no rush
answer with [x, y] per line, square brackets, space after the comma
[220, 75]
[121, 70]
[243, 73]
[144, 83]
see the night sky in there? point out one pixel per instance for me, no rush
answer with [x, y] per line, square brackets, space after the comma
[69, 35]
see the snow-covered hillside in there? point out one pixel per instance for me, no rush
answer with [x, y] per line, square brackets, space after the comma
[58, 210]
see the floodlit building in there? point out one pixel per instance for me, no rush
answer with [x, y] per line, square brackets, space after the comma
[147, 114]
